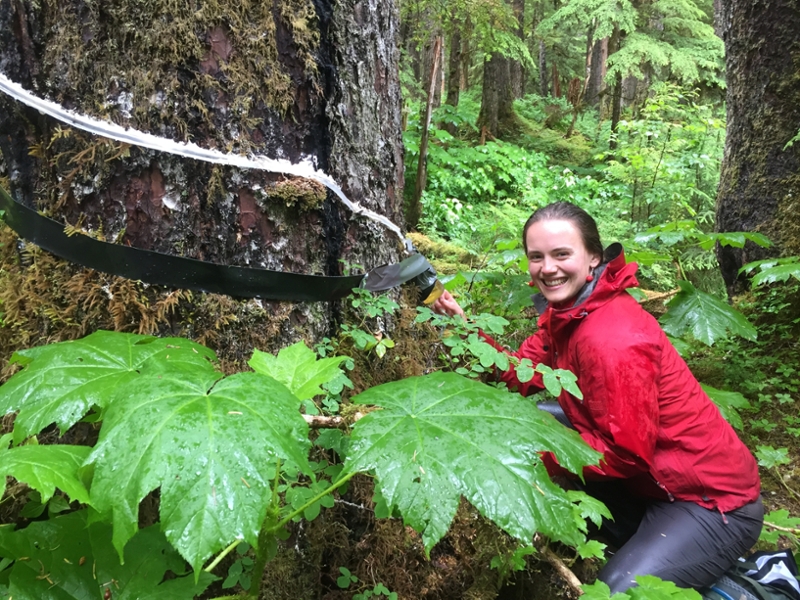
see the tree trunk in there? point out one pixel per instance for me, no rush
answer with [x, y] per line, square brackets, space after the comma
[597, 74]
[543, 79]
[296, 80]
[414, 208]
[760, 181]
[516, 69]
[432, 54]
[454, 73]
[616, 100]
[497, 100]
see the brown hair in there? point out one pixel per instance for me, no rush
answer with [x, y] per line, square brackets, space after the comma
[566, 211]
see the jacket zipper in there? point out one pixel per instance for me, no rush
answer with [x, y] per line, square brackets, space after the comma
[663, 487]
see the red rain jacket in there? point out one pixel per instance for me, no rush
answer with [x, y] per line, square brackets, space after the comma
[642, 409]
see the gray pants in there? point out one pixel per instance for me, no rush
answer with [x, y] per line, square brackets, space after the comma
[680, 542]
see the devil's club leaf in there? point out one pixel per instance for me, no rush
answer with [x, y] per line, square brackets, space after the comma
[298, 369]
[212, 453]
[727, 403]
[60, 382]
[45, 468]
[704, 316]
[442, 436]
[64, 559]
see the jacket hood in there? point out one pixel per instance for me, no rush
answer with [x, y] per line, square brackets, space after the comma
[612, 276]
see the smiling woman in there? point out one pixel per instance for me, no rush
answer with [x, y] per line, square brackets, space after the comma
[682, 488]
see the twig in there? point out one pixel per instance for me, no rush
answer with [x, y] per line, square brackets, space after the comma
[322, 422]
[563, 570]
[662, 296]
[780, 528]
[559, 565]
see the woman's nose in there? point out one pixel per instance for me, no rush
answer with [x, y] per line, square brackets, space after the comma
[548, 266]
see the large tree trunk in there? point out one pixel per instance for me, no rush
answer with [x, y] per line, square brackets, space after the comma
[760, 181]
[497, 100]
[297, 80]
[597, 75]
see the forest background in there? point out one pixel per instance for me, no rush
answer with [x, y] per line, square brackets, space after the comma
[617, 106]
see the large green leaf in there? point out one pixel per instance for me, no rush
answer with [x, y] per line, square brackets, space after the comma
[64, 559]
[45, 468]
[728, 404]
[212, 451]
[704, 316]
[442, 436]
[298, 369]
[61, 382]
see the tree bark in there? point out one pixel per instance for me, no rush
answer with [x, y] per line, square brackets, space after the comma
[760, 180]
[497, 99]
[414, 209]
[516, 69]
[597, 74]
[454, 73]
[297, 80]
[543, 79]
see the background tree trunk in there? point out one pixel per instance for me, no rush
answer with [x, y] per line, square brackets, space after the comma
[454, 73]
[760, 180]
[543, 73]
[497, 99]
[297, 80]
[516, 69]
[597, 76]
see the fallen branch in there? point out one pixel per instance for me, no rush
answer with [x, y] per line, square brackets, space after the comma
[559, 565]
[780, 528]
[563, 570]
[321, 422]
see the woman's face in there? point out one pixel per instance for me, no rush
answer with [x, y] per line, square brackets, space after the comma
[557, 259]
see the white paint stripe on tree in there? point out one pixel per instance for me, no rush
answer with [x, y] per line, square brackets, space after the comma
[135, 137]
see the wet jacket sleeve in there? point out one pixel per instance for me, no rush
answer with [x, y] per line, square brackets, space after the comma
[620, 412]
[534, 348]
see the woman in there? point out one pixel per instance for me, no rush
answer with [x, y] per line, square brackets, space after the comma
[683, 489]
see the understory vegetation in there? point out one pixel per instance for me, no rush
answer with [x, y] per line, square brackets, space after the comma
[155, 444]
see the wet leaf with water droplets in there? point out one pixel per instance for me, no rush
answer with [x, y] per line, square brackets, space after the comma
[442, 436]
[298, 368]
[45, 468]
[61, 382]
[175, 431]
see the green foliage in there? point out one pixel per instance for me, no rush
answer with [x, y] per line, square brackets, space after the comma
[703, 316]
[241, 571]
[783, 520]
[769, 457]
[70, 377]
[669, 156]
[649, 588]
[45, 468]
[210, 444]
[773, 270]
[71, 558]
[729, 404]
[440, 437]
[298, 368]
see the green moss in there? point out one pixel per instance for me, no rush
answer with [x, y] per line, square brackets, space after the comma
[168, 63]
[303, 194]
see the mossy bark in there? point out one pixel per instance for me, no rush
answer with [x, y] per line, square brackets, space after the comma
[297, 79]
[760, 181]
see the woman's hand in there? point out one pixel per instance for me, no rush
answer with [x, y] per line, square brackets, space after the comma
[447, 305]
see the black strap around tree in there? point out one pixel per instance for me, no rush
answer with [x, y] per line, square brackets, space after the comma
[187, 273]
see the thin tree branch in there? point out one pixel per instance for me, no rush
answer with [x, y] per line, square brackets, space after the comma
[322, 422]
[563, 570]
[780, 528]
